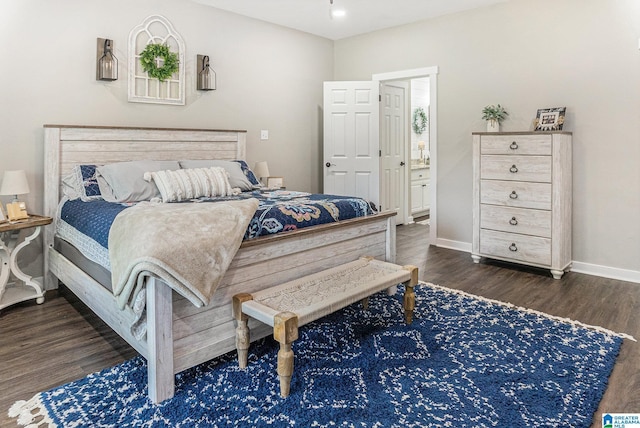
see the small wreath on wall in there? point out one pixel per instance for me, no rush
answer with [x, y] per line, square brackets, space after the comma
[419, 120]
[149, 59]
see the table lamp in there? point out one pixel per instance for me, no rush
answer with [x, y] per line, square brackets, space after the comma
[261, 170]
[15, 183]
[421, 147]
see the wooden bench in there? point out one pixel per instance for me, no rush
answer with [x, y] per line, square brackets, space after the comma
[291, 305]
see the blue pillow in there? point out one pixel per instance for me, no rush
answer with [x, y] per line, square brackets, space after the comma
[88, 183]
[247, 171]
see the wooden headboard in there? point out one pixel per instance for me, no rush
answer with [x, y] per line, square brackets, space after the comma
[68, 145]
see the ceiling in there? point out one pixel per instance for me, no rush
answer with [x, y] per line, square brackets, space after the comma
[362, 16]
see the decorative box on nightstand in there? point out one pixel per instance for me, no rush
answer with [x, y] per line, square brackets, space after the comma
[522, 198]
[27, 288]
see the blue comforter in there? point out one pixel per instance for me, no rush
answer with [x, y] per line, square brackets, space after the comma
[279, 211]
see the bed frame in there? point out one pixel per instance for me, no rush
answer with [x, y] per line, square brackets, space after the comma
[180, 335]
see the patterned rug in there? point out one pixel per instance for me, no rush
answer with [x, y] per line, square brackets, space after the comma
[464, 362]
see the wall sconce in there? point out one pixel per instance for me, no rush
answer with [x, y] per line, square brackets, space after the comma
[107, 63]
[206, 76]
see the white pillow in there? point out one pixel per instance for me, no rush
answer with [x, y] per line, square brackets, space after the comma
[236, 175]
[186, 184]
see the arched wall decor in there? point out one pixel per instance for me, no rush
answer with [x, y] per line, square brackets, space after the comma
[144, 88]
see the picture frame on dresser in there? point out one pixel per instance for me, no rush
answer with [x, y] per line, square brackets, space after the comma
[549, 119]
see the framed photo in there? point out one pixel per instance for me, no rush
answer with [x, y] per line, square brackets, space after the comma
[3, 215]
[275, 182]
[550, 119]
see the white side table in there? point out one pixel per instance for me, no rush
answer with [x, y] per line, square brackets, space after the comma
[30, 289]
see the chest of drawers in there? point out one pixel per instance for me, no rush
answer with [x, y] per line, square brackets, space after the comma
[522, 198]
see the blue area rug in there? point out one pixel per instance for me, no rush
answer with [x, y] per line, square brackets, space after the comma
[464, 362]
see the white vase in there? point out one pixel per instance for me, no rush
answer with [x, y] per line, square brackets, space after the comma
[493, 126]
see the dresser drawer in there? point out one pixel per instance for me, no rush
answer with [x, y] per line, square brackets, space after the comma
[517, 220]
[518, 168]
[516, 194]
[516, 145]
[530, 249]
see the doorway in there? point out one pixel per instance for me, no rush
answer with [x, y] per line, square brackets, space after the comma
[406, 75]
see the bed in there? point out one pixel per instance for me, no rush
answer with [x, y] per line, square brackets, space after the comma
[180, 335]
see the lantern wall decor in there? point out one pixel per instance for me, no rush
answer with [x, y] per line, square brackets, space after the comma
[106, 63]
[205, 74]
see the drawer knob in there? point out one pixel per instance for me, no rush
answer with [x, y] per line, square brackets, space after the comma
[513, 247]
[513, 169]
[513, 146]
[513, 195]
[513, 221]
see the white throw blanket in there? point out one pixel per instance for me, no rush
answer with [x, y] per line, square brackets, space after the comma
[187, 245]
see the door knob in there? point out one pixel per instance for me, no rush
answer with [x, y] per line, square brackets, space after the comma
[328, 164]
[402, 163]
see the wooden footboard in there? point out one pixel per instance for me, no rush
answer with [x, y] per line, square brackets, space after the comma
[180, 335]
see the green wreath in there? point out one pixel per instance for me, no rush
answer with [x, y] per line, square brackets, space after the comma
[148, 61]
[419, 121]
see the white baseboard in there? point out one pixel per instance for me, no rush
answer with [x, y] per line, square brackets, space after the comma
[454, 245]
[579, 267]
[606, 272]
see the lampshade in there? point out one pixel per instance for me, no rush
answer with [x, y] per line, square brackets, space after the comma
[14, 183]
[421, 145]
[261, 169]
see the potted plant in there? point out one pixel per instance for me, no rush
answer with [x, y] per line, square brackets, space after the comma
[494, 114]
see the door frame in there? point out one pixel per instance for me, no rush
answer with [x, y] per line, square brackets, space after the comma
[432, 74]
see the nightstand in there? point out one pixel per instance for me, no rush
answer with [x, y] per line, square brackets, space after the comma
[30, 289]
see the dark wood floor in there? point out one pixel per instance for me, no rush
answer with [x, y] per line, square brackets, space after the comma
[42, 346]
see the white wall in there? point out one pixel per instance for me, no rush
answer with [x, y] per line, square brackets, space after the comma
[268, 77]
[525, 55]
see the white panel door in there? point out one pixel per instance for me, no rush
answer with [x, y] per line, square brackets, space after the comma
[351, 139]
[393, 143]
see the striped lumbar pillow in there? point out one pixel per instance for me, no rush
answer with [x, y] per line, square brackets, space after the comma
[185, 184]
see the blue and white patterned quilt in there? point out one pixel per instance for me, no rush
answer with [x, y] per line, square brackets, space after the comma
[86, 224]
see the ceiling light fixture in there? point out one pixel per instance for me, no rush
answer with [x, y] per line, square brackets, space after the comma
[336, 13]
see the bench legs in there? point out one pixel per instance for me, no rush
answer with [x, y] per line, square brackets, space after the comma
[242, 330]
[409, 294]
[285, 331]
